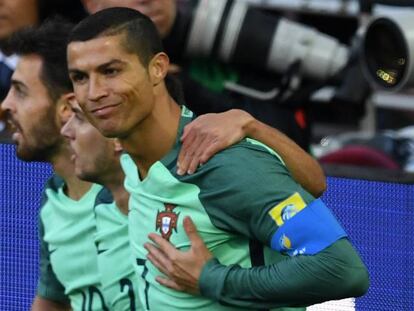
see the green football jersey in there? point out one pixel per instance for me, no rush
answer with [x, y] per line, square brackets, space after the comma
[233, 200]
[68, 256]
[118, 277]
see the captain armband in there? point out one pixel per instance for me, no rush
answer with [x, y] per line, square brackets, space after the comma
[304, 228]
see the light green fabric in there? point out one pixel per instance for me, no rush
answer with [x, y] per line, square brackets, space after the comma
[68, 245]
[119, 281]
[161, 201]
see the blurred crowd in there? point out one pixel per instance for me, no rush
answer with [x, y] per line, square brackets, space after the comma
[214, 82]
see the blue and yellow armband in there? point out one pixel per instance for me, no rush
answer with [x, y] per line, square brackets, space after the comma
[304, 228]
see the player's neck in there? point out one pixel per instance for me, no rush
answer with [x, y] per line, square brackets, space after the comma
[113, 180]
[64, 167]
[121, 197]
[155, 136]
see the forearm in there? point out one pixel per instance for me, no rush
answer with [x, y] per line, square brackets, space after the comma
[304, 169]
[335, 273]
[42, 304]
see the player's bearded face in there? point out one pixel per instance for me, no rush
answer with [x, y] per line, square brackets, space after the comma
[32, 113]
[36, 139]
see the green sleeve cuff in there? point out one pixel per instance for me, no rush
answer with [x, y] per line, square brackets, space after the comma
[212, 279]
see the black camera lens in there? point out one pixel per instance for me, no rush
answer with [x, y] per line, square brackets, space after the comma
[235, 32]
[386, 53]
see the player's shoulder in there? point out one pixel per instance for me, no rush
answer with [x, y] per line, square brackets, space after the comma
[248, 154]
[51, 187]
[54, 183]
[104, 196]
[243, 165]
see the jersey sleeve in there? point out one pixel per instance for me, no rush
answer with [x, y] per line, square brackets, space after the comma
[48, 286]
[249, 191]
[336, 272]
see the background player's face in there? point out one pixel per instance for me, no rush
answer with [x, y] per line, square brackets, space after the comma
[15, 14]
[31, 112]
[112, 87]
[161, 12]
[93, 154]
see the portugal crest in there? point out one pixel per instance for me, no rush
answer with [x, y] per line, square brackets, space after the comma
[167, 221]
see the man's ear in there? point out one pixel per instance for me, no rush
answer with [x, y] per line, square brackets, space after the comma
[158, 68]
[64, 107]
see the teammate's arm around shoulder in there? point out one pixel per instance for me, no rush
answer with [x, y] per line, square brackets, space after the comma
[304, 168]
[42, 304]
[210, 133]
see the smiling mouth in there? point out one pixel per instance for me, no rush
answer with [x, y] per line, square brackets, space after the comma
[104, 111]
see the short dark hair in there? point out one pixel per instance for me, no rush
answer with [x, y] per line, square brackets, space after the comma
[141, 38]
[72, 10]
[49, 42]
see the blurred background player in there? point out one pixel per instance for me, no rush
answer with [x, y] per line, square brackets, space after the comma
[16, 15]
[96, 159]
[37, 106]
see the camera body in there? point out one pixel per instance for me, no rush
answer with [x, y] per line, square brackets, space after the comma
[238, 33]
